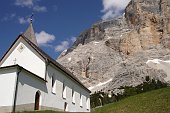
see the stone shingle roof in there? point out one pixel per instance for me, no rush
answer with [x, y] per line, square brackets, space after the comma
[29, 33]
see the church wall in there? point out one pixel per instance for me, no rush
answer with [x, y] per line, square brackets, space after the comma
[70, 84]
[26, 57]
[28, 85]
[7, 85]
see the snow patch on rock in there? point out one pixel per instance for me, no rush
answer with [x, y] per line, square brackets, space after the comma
[100, 84]
[160, 64]
[69, 59]
[95, 43]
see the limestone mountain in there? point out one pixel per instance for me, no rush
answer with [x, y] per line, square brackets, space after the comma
[113, 53]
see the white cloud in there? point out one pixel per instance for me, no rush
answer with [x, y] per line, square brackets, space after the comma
[44, 38]
[12, 15]
[64, 45]
[113, 8]
[32, 4]
[23, 20]
[73, 39]
[38, 8]
[24, 3]
[8, 17]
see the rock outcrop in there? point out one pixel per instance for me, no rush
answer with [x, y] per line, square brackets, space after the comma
[119, 48]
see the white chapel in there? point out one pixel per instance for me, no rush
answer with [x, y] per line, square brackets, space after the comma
[31, 80]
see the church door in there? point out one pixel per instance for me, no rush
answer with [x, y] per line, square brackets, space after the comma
[37, 101]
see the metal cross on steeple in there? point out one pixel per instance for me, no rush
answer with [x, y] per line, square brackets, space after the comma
[31, 17]
[29, 33]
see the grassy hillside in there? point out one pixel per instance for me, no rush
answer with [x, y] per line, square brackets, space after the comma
[157, 101]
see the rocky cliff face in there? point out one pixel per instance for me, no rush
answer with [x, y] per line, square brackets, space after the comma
[118, 49]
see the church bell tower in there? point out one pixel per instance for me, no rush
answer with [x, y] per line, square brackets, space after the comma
[29, 33]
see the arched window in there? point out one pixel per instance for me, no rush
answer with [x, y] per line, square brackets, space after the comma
[52, 81]
[88, 103]
[37, 101]
[53, 84]
[64, 91]
[81, 100]
[73, 96]
[65, 106]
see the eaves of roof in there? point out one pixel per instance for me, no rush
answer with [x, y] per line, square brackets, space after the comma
[21, 68]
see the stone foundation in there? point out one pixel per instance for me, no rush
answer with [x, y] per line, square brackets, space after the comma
[25, 107]
[50, 108]
[5, 109]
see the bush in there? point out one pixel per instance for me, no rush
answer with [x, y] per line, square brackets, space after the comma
[148, 85]
[101, 98]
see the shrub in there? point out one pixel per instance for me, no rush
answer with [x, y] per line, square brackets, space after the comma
[101, 98]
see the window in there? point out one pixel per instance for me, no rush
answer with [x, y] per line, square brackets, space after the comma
[73, 96]
[21, 48]
[53, 84]
[81, 100]
[64, 91]
[88, 103]
[65, 106]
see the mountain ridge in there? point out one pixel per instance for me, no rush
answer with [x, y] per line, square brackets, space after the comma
[118, 49]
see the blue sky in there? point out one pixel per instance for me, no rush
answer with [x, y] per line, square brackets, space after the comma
[56, 23]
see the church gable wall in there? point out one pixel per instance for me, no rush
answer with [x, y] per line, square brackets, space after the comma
[22, 54]
[28, 85]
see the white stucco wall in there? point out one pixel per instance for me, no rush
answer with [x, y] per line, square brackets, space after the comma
[26, 57]
[70, 84]
[29, 85]
[7, 86]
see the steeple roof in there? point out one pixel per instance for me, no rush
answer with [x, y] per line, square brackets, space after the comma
[29, 33]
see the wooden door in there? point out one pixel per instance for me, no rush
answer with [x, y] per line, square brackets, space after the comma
[37, 101]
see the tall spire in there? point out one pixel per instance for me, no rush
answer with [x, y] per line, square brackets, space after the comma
[29, 33]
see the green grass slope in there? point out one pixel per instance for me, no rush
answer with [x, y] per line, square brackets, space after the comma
[157, 101]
